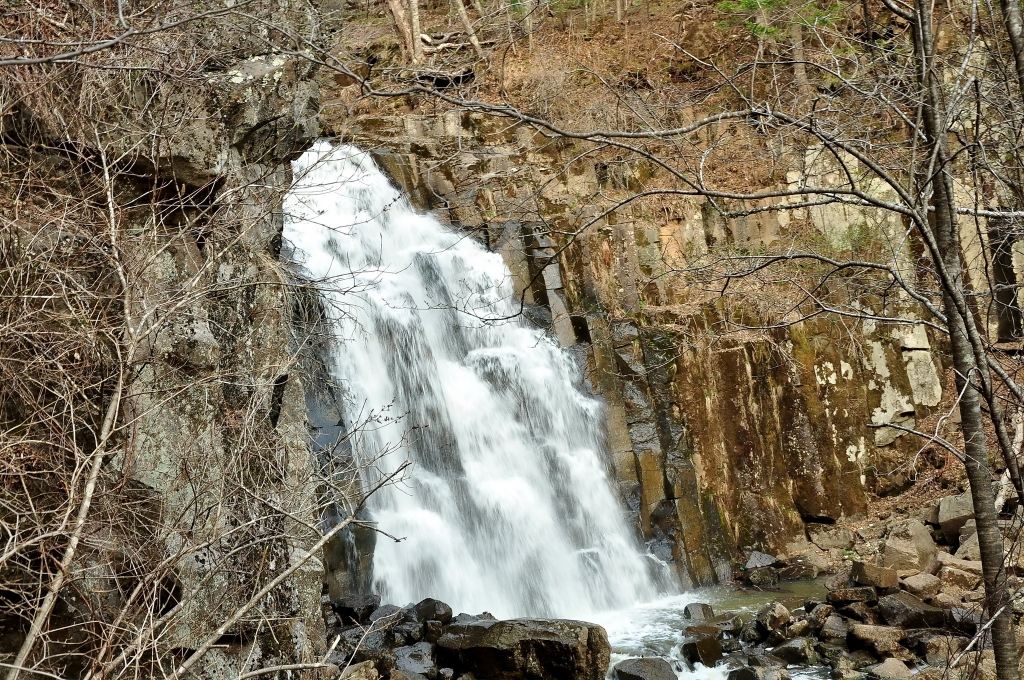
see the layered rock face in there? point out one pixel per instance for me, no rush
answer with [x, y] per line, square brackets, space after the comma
[716, 443]
[209, 492]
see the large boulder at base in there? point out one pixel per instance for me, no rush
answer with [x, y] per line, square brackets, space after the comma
[906, 611]
[705, 650]
[865, 574]
[698, 611]
[954, 511]
[417, 658]
[908, 545]
[432, 610]
[516, 649]
[355, 608]
[648, 668]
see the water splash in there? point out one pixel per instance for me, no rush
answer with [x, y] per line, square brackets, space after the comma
[510, 509]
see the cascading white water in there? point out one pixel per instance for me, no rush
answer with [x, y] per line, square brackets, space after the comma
[509, 508]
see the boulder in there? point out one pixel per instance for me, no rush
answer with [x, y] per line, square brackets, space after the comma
[937, 649]
[406, 675]
[839, 580]
[861, 612]
[908, 545]
[866, 574]
[964, 620]
[884, 640]
[860, 594]
[704, 631]
[355, 608]
[703, 650]
[762, 577]
[411, 631]
[951, 577]
[753, 632]
[417, 658]
[797, 651]
[969, 549]
[803, 566]
[819, 614]
[827, 536]
[954, 512]
[798, 628]
[432, 610]
[765, 661]
[944, 559]
[946, 601]
[569, 650]
[730, 645]
[385, 614]
[773, 616]
[647, 668]
[357, 646]
[906, 611]
[760, 559]
[890, 669]
[698, 611]
[743, 673]
[834, 629]
[727, 623]
[360, 671]
[433, 630]
[922, 585]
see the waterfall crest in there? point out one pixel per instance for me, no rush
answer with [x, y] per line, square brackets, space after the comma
[509, 508]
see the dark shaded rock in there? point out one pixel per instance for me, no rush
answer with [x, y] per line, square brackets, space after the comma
[753, 632]
[906, 611]
[432, 631]
[859, 594]
[573, 650]
[446, 674]
[760, 559]
[730, 624]
[703, 650]
[861, 612]
[704, 631]
[773, 616]
[834, 629]
[731, 662]
[385, 614]
[357, 646]
[766, 661]
[819, 614]
[742, 673]
[412, 632]
[963, 620]
[406, 675]
[355, 608]
[698, 611]
[762, 577]
[430, 609]
[730, 645]
[812, 602]
[836, 581]
[648, 668]
[866, 574]
[796, 651]
[417, 658]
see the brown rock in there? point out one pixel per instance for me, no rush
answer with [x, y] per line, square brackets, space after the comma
[938, 648]
[861, 612]
[951, 577]
[773, 616]
[923, 586]
[906, 611]
[820, 614]
[971, 566]
[954, 511]
[861, 594]
[834, 629]
[946, 601]
[890, 669]
[827, 536]
[866, 574]
[884, 640]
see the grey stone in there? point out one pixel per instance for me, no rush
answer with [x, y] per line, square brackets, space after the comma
[906, 611]
[359, 671]
[760, 559]
[432, 631]
[796, 651]
[573, 650]
[827, 536]
[385, 614]
[820, 614]
[728, 623]
[410, 630]
[884, 640]
[866, 574]
[355, 608]
[954, 512]
[922, 585]
[430, 609]
[417, 658]
[834, 629]
[698, 611]
[647, 668]
[773, 616]
[861, 612]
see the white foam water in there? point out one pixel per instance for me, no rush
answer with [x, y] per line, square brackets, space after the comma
[509, 508]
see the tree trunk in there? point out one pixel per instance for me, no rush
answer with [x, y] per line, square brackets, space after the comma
[947, 242]
[404, 28]
[417, 41]
[1015, 29]
[460, 7]
[796, 32]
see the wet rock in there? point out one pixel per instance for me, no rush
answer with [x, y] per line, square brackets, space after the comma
[573, 650]
[433, 630]
[883, 640]
[431, 609]
[906, 611]
[964, 620]
[951, 577]
[954, 512]
[743, 673]
[840, 580]
[730, 645]
[360, 671]
[774, 673]
[355, 608]
[859, 594]
[819, 614]
[922, 585]
[727, 623]
[866, 574]
[861, 612]
[796, 651]
[798, 628]
[704, 631]
[698, 611]
[827, 536]
[357, 646]
[773, 616]
[385, 614]
[753, 632]
[763, 577]
[411, 631]
[758, 560]
[648, 668]
[834, 629]
[803, 566]
[701, 650]
[417, 658]
[766, 661]
[890, 669]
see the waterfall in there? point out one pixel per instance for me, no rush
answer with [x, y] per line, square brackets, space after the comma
[508, 507]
